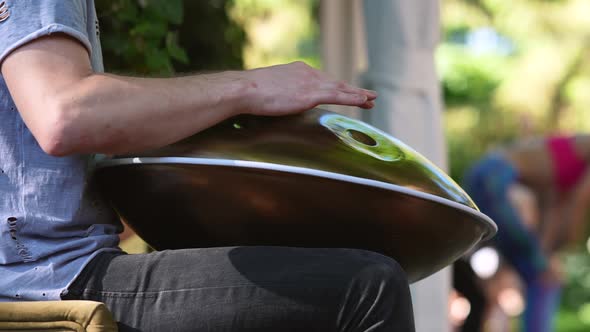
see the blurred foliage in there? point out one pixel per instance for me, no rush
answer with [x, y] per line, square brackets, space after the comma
[162, 37]
[575, 305]
[512, 69]
[279, 31]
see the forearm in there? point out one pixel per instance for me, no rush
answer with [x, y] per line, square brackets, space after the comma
[115, 114]
[552, 230]
[566, 225]
[576, 218]
[70, 110]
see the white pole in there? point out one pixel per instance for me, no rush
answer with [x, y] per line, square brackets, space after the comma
[344, 48]
[402, 36]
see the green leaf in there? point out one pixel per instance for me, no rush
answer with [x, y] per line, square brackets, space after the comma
[171, 10]
[176, 52]
[158, 61]
[127, 11]
[150, 29]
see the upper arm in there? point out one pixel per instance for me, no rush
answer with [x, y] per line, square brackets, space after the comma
[44, 48]
[38, 72]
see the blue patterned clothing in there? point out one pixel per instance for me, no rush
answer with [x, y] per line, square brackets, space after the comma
[487, 183]
[52, 221]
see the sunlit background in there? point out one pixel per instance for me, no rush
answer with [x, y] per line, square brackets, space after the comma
[508, 68]
[514, 69]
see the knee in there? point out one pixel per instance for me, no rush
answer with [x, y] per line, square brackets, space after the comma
[389, 272]
[384, 274]
[379, 294]
[385, 266]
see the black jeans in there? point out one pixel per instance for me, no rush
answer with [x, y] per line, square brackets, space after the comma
[250, 289]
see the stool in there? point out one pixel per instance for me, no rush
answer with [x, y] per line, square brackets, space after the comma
[47, 316]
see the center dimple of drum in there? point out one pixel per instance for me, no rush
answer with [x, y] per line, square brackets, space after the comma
[361, 137]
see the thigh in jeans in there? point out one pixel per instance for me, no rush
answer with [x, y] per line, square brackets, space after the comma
[250, 289]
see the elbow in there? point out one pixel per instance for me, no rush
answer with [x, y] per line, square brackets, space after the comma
[55, 146]
[58, 135]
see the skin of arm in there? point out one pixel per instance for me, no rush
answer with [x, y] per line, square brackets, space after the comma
[576, 209]
[72, 110]
[566, 215]
[553, 233]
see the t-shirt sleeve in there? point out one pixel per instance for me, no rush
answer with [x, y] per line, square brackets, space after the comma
[31, 19]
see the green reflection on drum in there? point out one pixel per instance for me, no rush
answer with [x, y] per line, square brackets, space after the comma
[362, 137]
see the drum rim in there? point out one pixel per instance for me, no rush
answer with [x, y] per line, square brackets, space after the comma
[491, 227]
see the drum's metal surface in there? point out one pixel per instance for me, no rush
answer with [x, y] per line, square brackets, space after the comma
[315, 180]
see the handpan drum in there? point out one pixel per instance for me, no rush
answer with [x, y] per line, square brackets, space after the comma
[317, 179]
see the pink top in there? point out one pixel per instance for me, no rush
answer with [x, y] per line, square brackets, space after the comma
[568, 166]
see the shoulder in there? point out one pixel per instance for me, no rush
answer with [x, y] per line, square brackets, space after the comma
[28, 20]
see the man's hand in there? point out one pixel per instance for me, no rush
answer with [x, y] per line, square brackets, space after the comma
[296, 87]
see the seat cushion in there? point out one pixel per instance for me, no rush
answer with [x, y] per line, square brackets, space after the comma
[79, 316]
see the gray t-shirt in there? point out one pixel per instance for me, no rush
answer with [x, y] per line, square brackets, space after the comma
[52, 221]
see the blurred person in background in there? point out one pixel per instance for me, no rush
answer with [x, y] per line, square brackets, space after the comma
[467, 283]
[556, 170]
[491, 287]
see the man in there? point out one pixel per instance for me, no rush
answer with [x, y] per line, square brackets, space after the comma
[59, 242]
